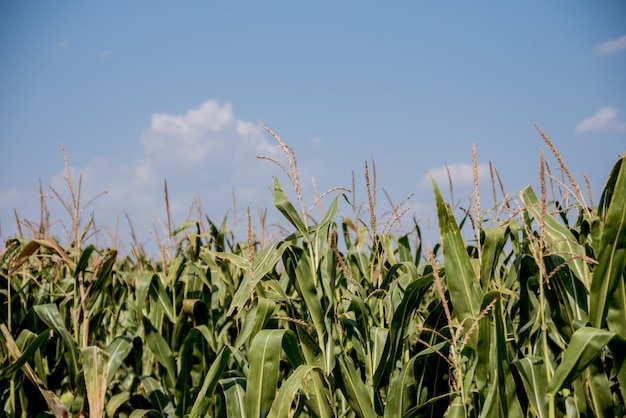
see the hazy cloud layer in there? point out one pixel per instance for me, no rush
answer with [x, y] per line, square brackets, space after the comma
[612, 46]
[605, 120]
[462, 174]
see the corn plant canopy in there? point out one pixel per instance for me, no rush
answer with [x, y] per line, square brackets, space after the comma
[518, 311]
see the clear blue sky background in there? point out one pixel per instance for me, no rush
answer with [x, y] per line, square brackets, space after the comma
[143, 91]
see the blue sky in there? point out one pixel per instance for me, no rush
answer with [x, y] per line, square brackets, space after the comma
[144, 91]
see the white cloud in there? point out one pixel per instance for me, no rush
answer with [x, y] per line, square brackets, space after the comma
[605, 120]
[462, 174]
[208, 133]
[612, 46]
[204, 152]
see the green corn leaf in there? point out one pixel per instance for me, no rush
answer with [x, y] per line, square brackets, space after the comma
[281, 406]
[506, 401]
[101, 282]
[234, 390]
[142, 283]
[618, 349]
[492, 242]
[159, 297]
[401, 317]
[157, 397]
[306, 285]
[186, 362]
[617, 309]
[354, 389]
[559, 239]
[378, 338]
[211, 380]
[118, 350]
[264, 360]
[532, 370]
[264, 262]
[140, 413]
[32, 346]
[599, 389]
[285, 207]
[261, 311]
[49, 314]
[83, 261]
[115, 402]
[611, 255]
[160, 349]
[185, 225]
[54, 403]
[401, 391]
[465, 291]
[585, 345]
[95, 367]
[318, 396]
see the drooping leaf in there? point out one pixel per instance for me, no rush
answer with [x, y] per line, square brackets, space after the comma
[585, 345]
[234, 389]
[50, 315]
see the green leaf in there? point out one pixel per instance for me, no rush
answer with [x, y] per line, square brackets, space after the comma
[27, 355]
[261, 311]
[559, 239]
[187, 361]
[140, 413]
[95, 367]
[160, 298]
[285, 207]
[532, 370]
[54, 403]
[185, 225]
[234, 389]
[506, 401]
[354, 389]
[585, 345]
[264, 360]
[306, 285]
[212, 378]
[49, 314]
[83, 261]
[401, 391]
[611, 255]
[264, 262]
[118, 350]
[492, 242]
[157, 397]
[465, 291]
[401, 317]
[281, 406]
[160, 349]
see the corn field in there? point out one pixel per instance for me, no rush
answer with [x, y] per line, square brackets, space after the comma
[518, 311]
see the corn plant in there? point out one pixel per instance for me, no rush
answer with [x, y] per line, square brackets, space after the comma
[517, 311]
